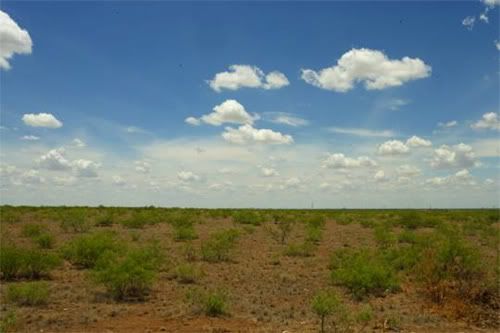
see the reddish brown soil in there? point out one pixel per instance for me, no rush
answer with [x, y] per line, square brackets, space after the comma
[269, 292]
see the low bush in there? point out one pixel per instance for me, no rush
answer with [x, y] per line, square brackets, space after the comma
[183, 232]
[74, 220]
[45, 240]
[32, 230]
[213, 303]
[384, 236]
[28, 293]
[219, 246]
[18, 262]
[138, 220]
[129, 276]
[325, 304]
[304, 249]
[449, 265]
[8, 321]
[187, 273]
[247, 217]
[86, 250]
[314, 235]
[281, 228]
[363, 272]
[104, 220]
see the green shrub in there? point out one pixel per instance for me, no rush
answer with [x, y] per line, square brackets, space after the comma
[8, 321]
[74, 220]
[212, 303]
[137, 221]
[28, 293]
[104, 220]
[32, 230]
[364, 316]
[37, 264]
[187, 273]
[449, 265]
[130, 275]
[45, 241]
[304, 249]
[316, 222]
[344, 219]
[18, 262]
[86, 250]
[281, 228]
[363, 272]
[247, 217]
[218, 247]
[314, 235]
[367, 223]
[184, 232]
[407, 236]
[11, 262]
[325, 304]
[384, 237]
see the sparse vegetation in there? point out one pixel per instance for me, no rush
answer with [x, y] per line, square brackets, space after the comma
[28, 293]
[86, 250]
[212, 303]
[16, 262]
[363, 272]
[325, 304]
[187, 273]
[219, 246]
[128, 276]
[447, 258]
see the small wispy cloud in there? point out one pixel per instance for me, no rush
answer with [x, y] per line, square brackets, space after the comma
[284, 118]
[363, 132]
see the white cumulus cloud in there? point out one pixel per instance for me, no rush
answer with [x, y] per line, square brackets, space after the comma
[55, 160]
[230, 111]
[85, 168]
[268, 172]
[340, 161]
[449, 124]
[416, 141]
[247, 134]
[41, 120]
[187, 176]
[393, 147]
[372, 67]
[246, 76]
[13, 40]
[488, 121]
[458, 156]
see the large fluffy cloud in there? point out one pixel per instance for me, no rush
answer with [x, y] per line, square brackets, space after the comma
[85, 168]
[55, 160]
[393, 147]
[488, 121]
[13, 40]
[41, 120]
[248, 134]
[246, 76]
[230, 111]
[340, 161]
[372, 67]
[396, 147]
[458, 156]
[187, 176]
[416, 141]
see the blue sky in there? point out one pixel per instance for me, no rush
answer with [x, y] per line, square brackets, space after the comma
[319, 89]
